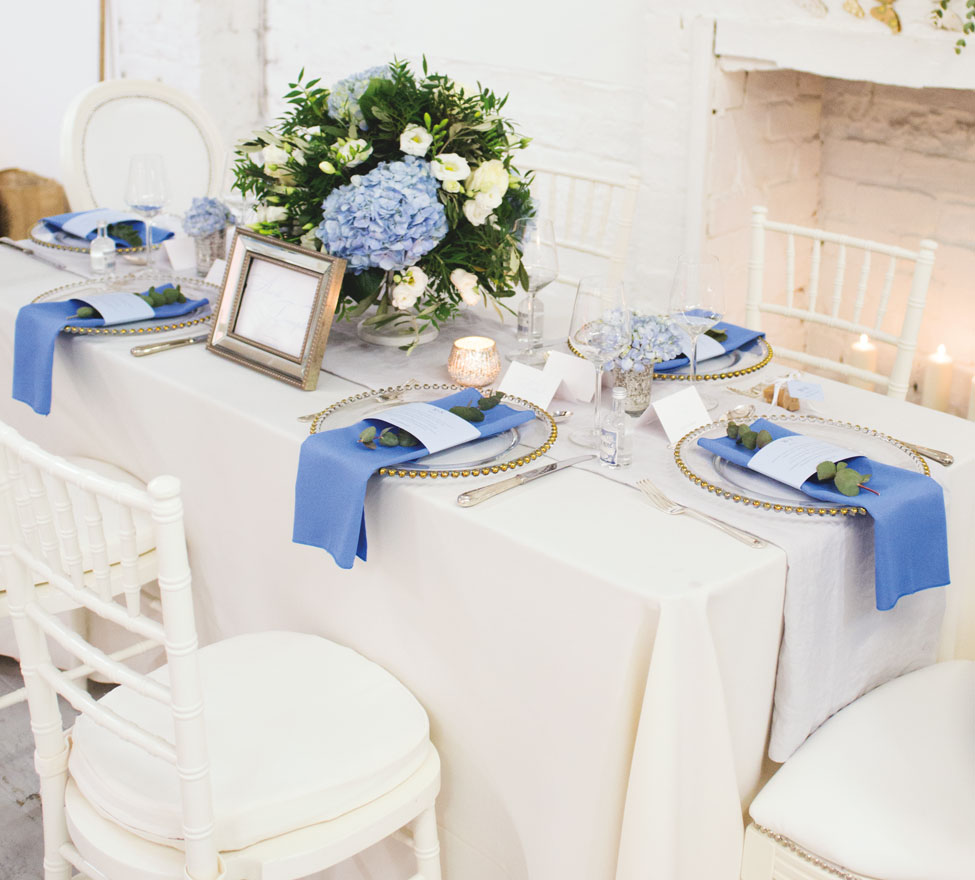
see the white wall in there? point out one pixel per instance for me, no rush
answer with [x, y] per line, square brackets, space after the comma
[50, 53]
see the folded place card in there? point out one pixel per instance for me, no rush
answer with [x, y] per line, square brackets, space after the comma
[681, 412]
[535, 386]
[181, 250]
[215, 275]
[576, 375]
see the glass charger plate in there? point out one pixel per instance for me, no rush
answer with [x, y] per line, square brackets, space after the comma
[739, 362]
[193, 288]
[64, 241]
[487, 455]
[739, 484]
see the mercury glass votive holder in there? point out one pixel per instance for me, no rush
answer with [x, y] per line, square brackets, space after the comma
[474, 361]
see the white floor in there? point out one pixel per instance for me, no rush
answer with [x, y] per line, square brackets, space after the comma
[21, 849]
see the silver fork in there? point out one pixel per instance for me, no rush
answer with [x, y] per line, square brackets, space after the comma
[662, 502]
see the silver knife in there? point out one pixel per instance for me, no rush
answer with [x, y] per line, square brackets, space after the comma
[476, 496]
[31, 253]
[143, 350]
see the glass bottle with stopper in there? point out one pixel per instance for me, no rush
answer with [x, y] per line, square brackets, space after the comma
[101, 251]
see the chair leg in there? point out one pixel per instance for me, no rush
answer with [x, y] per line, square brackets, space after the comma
[426, 845]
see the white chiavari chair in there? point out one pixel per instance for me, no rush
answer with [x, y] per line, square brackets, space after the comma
[884, 790]
[112, 121]
[843, 307]
[593, 219]
[57, 603]
[267, 755]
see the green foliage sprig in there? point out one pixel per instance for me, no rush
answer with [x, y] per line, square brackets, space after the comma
[125, 231]
[846, 479]
[390, 437]
[968, 26]
[153, 297]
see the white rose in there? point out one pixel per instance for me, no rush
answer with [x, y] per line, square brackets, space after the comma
[467, 286]
[410, 288]
[270, 214]
[352, 152]
[489, 181]
[415, 140]
[476, 211]
[450, 166]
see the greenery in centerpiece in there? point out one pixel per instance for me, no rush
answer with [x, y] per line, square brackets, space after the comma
[409, 178]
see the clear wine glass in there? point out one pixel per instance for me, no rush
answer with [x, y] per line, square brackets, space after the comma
[600, 332]
[696, 300]
[540, 259]
[146, 193]
[234, 199]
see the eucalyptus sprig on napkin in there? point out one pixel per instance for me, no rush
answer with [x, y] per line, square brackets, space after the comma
[390, 437]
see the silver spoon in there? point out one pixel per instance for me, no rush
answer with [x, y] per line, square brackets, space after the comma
[745, 411]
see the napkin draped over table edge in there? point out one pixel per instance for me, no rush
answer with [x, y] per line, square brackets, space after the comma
[738, 337]
[334, 469]
[35, 333]
[910, 529]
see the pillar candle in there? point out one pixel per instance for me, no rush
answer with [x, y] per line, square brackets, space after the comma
[937, 380]
[863, 354]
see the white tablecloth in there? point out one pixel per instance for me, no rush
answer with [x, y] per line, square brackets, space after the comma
[598, 687]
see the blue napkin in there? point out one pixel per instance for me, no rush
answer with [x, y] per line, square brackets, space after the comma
[56, 223]
[333, 469]
[738, 337]
[37, 328]
[910, 534]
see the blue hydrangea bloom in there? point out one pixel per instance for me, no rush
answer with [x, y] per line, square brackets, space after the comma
[205, 216]
[343, 98]
[387, 219]
[653, 340]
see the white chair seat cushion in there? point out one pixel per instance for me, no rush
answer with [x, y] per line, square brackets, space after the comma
[300, 730]
[886, 787]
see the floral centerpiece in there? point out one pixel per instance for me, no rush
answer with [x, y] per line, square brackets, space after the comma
[653, 340]
[408, 178]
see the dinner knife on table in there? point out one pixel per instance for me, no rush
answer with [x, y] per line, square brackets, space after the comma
[143, 350]
[476, 496]
[10, 243]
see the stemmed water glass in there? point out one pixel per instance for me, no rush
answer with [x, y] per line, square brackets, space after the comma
[234, 199]
[696, 300]
[600, 332]
[540, 260]
[146, 193]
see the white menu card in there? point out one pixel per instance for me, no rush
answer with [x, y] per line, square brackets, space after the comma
[792, 460]
[435, 427]
[119, 308]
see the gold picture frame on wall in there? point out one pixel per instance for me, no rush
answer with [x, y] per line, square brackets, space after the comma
[276, 307]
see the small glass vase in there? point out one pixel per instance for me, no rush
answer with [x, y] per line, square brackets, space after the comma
[210, 248]
[637, 387]
[389, 326]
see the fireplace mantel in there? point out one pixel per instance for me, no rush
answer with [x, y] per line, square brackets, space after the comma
[912, 60]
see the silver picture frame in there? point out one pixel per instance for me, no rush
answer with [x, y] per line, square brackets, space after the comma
[276, 307]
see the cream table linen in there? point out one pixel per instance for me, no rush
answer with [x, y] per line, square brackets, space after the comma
[589, 674]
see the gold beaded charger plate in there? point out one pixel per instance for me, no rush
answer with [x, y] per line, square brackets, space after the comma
[193, 288]
[487, 455]
[732, 482]
[740, 362]
[64, 241]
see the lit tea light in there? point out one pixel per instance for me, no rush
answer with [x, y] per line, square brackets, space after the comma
[863, 355]
[937, 380]
[474, 361]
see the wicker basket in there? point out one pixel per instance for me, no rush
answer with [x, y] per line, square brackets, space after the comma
[25, 198]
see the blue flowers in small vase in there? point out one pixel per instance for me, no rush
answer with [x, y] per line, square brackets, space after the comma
[205, 216]
[653, 341]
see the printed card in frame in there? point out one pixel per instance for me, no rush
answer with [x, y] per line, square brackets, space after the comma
[276, 307]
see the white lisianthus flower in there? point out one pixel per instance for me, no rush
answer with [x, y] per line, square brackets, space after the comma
[410, 287]
[352, 152]
[449, 166]
[415, 140]
[270, 214]
[477, 212]
[488, 182]
[299, 157]
[467, 286]
[326, 166]
[276, 161]
[308, 131]
[451, 186]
